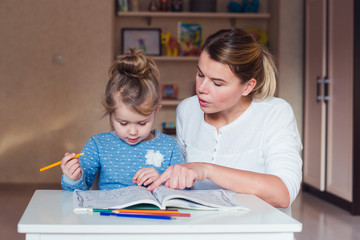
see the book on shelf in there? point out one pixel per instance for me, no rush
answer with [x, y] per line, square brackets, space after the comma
[190, 38]
[128, 5]
[162, 198]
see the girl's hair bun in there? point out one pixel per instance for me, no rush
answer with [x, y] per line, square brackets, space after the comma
[135, 77]
[134, 65]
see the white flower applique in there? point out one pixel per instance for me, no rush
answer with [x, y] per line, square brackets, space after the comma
[154, 158]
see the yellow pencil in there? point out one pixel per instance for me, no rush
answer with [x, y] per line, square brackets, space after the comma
[58, 163]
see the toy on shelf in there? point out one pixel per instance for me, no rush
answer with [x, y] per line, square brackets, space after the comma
[259, 35]
[169, 91]
[169, 128]
[172, 46]
[153, 6]
[176, 5]
[246, 6]
[164, 5]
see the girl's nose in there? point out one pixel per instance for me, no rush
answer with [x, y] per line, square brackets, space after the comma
[132, 130]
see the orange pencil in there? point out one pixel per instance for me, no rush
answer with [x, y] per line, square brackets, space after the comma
[58, 163]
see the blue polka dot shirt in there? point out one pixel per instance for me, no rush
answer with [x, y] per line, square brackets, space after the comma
[117, 162]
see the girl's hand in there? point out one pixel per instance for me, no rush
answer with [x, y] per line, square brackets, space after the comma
[145, 176]
[71, 166]
[181, 176]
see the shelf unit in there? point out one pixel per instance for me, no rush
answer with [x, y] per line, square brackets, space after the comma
[182, 69]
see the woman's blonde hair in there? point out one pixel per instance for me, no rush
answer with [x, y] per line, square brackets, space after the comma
[134, 80]
[246, 58]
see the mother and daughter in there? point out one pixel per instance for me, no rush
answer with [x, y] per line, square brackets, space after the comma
[234, 134]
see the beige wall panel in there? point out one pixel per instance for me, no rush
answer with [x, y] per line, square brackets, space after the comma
[290, 56]
[47, 108]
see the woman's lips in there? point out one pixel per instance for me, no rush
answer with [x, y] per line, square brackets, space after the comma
[203, 103]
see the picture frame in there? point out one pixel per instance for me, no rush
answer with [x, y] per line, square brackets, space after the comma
[146, 39]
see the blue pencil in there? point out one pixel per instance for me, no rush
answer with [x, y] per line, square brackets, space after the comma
[135, 215]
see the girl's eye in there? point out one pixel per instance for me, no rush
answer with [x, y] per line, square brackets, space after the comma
[142, 123]
[123, 123]
[200, 75]
[217, 84]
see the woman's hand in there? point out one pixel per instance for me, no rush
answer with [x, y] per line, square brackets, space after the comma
[181, 176]
[145, 176]
[71, 166]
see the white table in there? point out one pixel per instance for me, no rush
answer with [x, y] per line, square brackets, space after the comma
[50, 215]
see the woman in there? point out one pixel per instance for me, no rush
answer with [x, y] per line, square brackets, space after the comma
[234, 133]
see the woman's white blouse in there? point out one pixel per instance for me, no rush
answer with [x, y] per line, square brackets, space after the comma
[264, 139]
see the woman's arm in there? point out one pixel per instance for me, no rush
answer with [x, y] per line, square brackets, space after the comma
[268, 187]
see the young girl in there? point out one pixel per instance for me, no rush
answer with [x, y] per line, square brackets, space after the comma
[132, 153]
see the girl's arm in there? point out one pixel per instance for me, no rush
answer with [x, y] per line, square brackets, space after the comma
[145, 176]
[70, 166]
[89, 166]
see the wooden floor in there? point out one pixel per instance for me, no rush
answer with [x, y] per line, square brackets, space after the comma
[320, 220]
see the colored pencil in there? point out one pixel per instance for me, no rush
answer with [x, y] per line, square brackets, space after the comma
[144, 211]
[135, 215]
[133, 210]
[164, 214]
[58, 163]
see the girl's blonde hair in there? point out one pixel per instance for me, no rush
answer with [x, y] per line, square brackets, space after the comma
[246, 58]
[133, 80]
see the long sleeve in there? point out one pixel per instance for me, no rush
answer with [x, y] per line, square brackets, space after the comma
[282, 146]
[177, 156]
[90, 165]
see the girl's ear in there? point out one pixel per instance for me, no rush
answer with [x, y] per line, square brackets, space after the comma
[250, 85]
[157, 109]
[111, 121]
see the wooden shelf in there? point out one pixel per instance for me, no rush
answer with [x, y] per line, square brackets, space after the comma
[170, 102]
[194, 14]
[175, 59]
[231, 16]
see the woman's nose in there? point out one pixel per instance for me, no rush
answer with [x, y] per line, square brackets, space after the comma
[203, 86]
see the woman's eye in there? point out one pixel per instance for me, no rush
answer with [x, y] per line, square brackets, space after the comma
[200, 75]
[123, 123]
[142, 123]
[217, 84]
